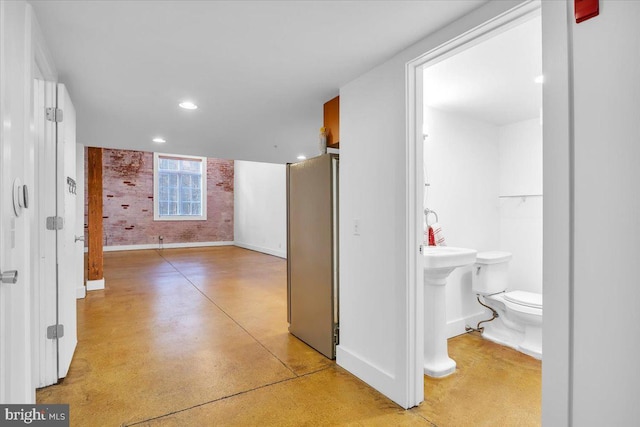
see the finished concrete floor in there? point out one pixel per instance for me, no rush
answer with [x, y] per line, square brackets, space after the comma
[198, 337]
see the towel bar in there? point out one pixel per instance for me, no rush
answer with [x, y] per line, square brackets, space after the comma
[428, 211]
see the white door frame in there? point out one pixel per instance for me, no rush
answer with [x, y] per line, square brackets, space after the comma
[43, 254]
[68, 262]
[81, 290]
[415, 161]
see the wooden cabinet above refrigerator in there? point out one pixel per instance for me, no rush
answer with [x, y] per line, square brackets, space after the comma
[332, 122]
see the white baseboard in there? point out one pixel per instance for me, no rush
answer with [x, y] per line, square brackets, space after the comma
[377, 378]
[269, 251]
[81, 292]
[95, 285]
[456, 327]
[164, 246]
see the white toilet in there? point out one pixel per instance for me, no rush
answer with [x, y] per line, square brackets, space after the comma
[519, 324]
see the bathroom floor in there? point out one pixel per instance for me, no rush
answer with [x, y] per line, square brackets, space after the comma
[493, 386]
[198, 337]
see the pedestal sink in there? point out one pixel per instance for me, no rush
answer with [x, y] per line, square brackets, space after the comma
[439, 262]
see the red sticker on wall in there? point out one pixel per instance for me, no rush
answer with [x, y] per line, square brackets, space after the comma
[586, 9]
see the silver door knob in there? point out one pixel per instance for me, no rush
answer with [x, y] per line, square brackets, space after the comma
[10, 276]
[79, 238]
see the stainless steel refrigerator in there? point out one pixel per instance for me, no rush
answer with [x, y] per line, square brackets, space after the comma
[312, 252]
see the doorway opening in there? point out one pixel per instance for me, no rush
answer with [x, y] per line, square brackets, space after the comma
[475, 157]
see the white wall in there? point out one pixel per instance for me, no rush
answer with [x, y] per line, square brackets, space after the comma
[521, 158]
[469, 164]
[520, 153]
[591, 151]
[374, 273]
[373, 342]
[606, 287]
[461, 159]
[260, 207]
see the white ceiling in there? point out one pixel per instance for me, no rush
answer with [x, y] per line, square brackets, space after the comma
[492, 81]
[260, 71]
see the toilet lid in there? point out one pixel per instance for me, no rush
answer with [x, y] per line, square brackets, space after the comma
[529, 299]
[492, 257]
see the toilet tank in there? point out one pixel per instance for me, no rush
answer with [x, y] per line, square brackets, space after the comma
[490, 272]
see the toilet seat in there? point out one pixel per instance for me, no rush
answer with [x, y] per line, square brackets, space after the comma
[519, 306]
[528, 299]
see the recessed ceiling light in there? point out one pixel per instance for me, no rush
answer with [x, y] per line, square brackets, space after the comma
[302, 157]
[159, 140]
[188, 105]
[539, 79]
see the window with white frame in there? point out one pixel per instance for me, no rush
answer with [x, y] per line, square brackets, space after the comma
[179, 187]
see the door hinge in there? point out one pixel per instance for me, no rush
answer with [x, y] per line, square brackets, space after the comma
[55, 223]
[54, 114]
[55, 332]
[336, 335]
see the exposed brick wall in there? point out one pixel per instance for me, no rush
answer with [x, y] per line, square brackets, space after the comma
[128, 203]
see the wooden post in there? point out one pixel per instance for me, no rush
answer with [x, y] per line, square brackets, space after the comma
[94, 185]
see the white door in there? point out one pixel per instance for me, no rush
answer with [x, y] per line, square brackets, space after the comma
[15, 164]
[54, 293]
[15, 334]
[44, 315]
[68, 262]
